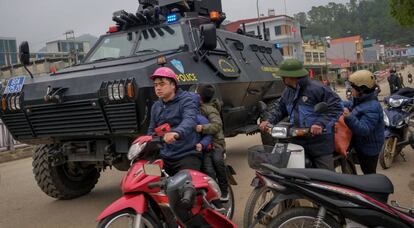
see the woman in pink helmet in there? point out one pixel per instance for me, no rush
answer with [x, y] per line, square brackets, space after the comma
[177, 108]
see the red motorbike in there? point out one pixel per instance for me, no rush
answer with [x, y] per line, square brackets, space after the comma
[151, 198]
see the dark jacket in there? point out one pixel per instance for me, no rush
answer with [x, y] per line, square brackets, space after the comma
[211, 110]
[394, 83]
[366, 122]
[206, 139]
[180, 113]
[299, 104]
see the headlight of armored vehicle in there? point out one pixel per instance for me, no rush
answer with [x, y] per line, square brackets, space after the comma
[395, 102]
[279, 132]
[119, 90]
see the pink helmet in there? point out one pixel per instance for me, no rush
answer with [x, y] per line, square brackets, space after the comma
[164, 72]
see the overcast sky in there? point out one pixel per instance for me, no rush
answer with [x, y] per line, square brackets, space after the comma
[47, 20]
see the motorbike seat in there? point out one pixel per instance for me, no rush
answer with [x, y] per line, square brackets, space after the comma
[372, 183]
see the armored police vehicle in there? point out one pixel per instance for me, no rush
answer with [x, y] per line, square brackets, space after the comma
[84, 118]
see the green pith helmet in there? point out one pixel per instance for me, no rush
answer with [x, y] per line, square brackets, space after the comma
[291, 68]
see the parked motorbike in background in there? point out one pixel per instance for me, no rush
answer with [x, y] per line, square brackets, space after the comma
[339, 200]
[283, 154]
[152, 198]
[397, 115]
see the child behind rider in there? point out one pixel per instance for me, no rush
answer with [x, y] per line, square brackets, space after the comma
[213, 162]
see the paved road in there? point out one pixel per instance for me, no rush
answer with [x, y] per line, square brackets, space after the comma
[22, 204]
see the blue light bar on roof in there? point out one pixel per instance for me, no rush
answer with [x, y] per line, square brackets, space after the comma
[172, 18]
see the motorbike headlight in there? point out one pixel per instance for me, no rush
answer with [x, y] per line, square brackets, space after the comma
[135, 150]
[407, 120]
[213, 184]
[395, 102]
[386, 119]
[279, 132]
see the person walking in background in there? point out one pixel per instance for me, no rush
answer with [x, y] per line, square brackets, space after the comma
[401, 78]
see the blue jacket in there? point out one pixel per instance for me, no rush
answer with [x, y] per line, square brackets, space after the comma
[366, 122]
[180, 113]
[201, 120]
[298, 103]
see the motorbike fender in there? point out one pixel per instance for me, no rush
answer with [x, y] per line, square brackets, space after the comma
[256, 182]
[267, 207]
[230, 173]
[136, 202]
[389, 133]
[215, 219]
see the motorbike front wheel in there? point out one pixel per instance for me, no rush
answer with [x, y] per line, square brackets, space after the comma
[127, 218]
[302, 217]
[257, 199]
[387, 154]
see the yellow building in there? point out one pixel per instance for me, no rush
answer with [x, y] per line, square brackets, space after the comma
[315, 60]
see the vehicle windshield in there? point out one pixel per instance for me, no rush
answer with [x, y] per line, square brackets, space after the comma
[150, 41]
[114, 47]
[160, 39]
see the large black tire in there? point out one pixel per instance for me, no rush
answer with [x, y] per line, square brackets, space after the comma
[148, 221]
[229, 205]
[258, 197]
[306, 213]
[66, 181]
[267, 139]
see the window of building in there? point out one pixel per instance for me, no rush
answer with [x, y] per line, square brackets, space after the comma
[308, 56]
[251, 32]
[322, 56]
[278, 30]
[316, 57]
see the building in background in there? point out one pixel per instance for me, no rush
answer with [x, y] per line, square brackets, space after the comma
[315, 61]
[8, 51]
[346, 54]
[283, 31]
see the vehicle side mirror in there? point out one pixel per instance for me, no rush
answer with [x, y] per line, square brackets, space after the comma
[24, 53]
[321, 107]
[208, 36]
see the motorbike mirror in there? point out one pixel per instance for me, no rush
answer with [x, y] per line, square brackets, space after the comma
[152, 170]
[321, 107]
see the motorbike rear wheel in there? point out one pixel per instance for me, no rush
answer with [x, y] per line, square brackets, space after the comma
[126, 218]
[388, 152]
[302, 217]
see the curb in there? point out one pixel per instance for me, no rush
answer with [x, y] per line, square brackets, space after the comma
[20, 153]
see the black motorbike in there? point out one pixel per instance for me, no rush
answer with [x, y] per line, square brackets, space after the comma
[397, 115]
[337, 200]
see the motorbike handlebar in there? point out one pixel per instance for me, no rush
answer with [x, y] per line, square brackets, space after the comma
[188, 197]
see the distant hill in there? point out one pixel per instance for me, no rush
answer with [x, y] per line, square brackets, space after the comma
[88, 38]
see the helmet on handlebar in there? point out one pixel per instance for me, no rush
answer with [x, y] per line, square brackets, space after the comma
[363, 81]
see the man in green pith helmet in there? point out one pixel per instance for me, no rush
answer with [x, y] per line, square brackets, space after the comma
[297, 102]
